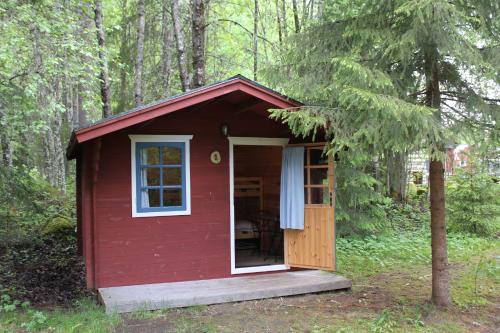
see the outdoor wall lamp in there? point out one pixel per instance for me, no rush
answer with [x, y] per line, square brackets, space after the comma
[224, 130]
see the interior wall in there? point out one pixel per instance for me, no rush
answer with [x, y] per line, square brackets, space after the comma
[265, 162]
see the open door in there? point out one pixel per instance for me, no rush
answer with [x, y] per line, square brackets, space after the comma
[314, 247]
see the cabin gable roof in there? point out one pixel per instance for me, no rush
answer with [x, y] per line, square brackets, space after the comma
[175, 103]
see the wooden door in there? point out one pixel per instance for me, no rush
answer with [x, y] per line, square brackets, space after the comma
[314, 247]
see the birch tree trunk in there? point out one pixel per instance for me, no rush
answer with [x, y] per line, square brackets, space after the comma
[167, 41]
[278, 21]
[296, 16]
[6, 151]
[283, 18]
[82, 112]
[255, 38]
[179, 43]
[305, 12]
[198, 38]
[58, 149]
[139, 62]
[6, 145]
[104, 74]
[440, 275]
[124, 57]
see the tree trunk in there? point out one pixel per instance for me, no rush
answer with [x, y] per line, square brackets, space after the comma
[167, 39]
[305, 12]
[6, 151]
[124, 59]
[440, 275]
[179, 43]
[396, 175]
[104, 74]
[82, 113]
[139, 61]
[296, 16]
[5, 145]
[278, 20]
[198, 38]
[59, 160]
[283, 18]
[255, 38]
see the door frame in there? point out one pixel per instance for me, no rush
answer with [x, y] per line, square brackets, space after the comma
[247, 141]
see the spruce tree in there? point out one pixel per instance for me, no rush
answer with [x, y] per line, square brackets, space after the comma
[396, 75]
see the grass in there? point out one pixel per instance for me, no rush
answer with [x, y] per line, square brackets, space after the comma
[391, 277]
[85, 316]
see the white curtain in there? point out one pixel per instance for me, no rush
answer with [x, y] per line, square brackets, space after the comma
[292, 189]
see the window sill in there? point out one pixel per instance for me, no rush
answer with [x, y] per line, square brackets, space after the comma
[158, 214]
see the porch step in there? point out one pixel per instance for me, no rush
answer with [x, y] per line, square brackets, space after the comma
[203, 292]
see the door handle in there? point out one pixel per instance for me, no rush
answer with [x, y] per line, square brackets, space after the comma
[331, 199]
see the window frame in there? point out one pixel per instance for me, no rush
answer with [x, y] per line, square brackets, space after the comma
[149, 140]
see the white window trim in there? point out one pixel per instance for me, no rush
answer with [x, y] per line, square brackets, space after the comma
[247, 141]
[161, 138]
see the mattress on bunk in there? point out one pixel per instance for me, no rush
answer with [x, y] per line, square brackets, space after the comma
[244, 229]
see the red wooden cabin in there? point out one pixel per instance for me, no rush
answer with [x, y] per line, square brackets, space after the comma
[188, 188]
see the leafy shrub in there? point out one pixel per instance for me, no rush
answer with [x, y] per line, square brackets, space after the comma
[58, 225]
[407, 216]
[36, 323]
[27, 201]
[473, 203]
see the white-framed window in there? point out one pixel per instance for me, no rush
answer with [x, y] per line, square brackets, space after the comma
[161, 183]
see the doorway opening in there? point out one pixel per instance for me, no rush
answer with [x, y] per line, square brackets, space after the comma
[256, 237]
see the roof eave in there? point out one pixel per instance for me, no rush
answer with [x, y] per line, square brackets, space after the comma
[156, 110]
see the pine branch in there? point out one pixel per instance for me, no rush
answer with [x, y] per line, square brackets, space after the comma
[467, 118]
[461, 98]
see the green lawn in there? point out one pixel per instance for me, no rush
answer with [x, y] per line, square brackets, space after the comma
[391, 287]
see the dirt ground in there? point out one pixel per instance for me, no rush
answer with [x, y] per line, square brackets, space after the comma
[387, 302]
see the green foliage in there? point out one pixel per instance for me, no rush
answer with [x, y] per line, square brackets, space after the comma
[38, 247]
[372, 254]
[58, 225]
[45, 58]
[362, 73]
[384, 323]
[473, 203]
[477, 283]
[37, 321]
[360, 210]
[28, 203]
[85, 316]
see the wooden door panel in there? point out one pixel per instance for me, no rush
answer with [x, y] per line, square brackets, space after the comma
[314, 247]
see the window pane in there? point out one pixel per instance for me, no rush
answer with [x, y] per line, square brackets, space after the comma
[171, 155]
[172, 176]
[150, 176]
[317, 157]
[150, 198]
[172, 197]
[319, 176]
[320, 195]
[150, 155]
